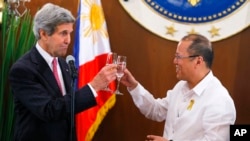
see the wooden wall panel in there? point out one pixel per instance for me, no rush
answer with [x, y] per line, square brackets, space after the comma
[150, 59]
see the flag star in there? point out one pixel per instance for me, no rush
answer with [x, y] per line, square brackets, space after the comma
[214, 31]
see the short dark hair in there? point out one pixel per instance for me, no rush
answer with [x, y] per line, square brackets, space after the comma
[200, 46]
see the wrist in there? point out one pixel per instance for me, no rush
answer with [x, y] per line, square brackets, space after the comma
[133, 86]
[95, 87]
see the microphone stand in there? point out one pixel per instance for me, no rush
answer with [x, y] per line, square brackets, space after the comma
[72, 116]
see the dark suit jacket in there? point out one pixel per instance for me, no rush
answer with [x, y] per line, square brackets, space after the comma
[41, 112]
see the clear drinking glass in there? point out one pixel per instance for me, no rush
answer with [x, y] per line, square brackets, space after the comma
[121, 65]
[111, 59]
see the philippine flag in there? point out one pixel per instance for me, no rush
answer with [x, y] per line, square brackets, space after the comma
[90, 50]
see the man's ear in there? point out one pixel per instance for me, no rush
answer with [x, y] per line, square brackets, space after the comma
[43, 34]
[200, 60]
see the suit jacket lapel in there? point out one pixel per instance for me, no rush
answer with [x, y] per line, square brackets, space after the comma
[44, 69]
[65, 74]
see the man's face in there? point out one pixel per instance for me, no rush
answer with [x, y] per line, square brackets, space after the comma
[183, 63]
[57, 43]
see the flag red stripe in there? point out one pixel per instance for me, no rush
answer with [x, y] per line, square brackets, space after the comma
[87, 72]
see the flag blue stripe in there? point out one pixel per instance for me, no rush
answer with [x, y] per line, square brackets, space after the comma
[76, 47]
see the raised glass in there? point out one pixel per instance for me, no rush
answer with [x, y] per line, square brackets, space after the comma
[121, 65]
[111, 59]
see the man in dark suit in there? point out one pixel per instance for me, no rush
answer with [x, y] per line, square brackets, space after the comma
[43, 105]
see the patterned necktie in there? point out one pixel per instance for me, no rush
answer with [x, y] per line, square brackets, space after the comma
[55, 72]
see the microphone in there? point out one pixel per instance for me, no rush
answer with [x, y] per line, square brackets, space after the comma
[71, 62]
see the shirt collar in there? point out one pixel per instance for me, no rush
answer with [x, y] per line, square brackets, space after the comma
[200, 87]
[46, 56]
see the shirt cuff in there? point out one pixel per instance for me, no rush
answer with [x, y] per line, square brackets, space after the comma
[139, 89]
[92, 89]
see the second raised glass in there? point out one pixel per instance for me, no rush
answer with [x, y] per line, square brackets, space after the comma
[121, 65]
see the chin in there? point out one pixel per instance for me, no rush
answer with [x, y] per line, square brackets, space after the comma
[178, 77]
[62, 54]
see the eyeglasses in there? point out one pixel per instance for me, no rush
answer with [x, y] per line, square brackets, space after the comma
[183, 57]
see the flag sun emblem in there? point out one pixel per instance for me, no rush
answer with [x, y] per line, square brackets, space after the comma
[96, 19]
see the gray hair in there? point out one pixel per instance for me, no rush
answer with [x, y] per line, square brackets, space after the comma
[49, 17]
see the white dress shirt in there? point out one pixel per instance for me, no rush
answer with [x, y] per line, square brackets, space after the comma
[203, 113]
